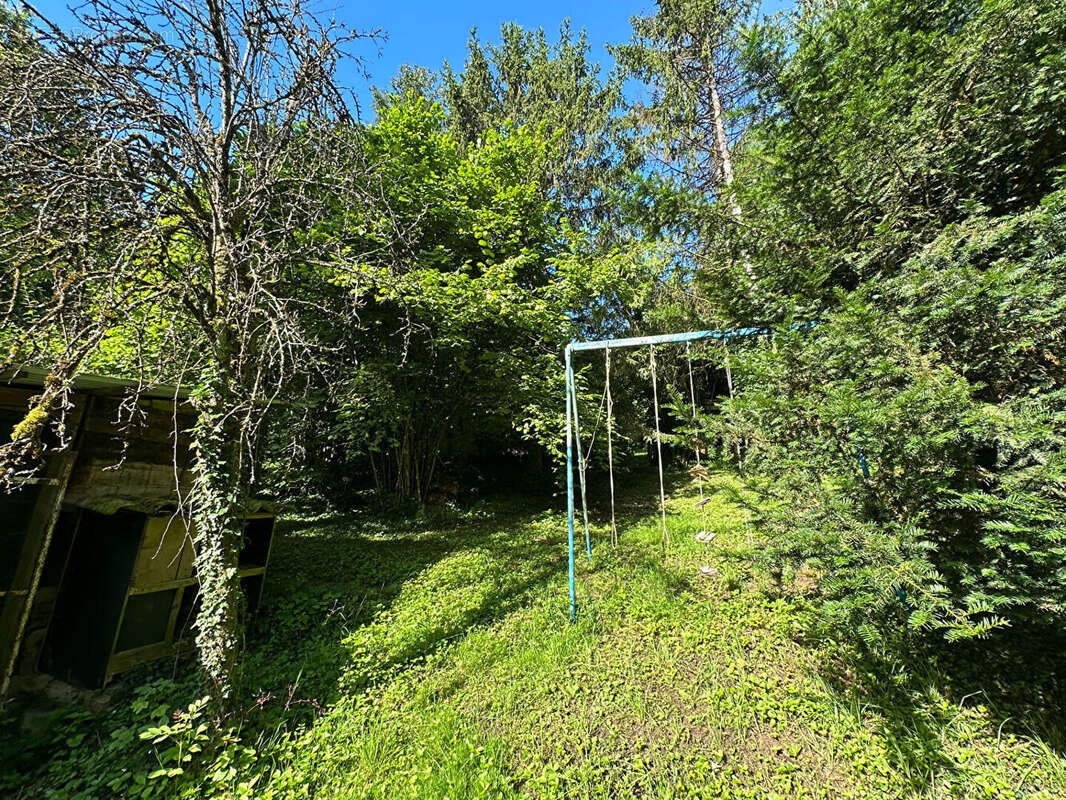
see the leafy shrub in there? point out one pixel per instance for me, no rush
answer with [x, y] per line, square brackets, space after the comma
[854, 437]
[197, 763]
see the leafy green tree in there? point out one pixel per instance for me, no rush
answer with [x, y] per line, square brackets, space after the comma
[904, 191]
[698, 103]
[687, 56]
[888, 121]
[458, 354]
[527, 80]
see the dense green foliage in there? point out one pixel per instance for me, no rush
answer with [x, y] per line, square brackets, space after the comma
[903, 187]
[527, 80]
[889, 120]
[454, 362]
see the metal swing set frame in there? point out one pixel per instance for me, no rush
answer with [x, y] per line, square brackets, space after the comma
[572, 422]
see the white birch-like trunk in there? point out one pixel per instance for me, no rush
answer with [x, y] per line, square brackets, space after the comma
[721, 151]
[721, 147]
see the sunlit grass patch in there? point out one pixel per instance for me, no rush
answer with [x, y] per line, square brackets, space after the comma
[433, 657]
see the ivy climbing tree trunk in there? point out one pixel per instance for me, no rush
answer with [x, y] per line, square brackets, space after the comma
[217, 498]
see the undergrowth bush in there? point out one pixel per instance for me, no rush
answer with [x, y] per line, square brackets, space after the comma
[911, 448]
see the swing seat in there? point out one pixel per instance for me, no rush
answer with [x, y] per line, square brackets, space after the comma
[703, 502]
[705, 536]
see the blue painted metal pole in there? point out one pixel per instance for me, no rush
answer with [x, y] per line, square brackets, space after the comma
[667, 338]
[688, 336]
[570, 485]
[863, 463]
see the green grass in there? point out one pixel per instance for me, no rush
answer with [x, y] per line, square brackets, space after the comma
[434, 659]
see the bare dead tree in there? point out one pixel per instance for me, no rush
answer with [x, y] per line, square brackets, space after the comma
[154, 171]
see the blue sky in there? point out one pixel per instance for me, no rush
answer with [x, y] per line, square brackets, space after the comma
[428, 32]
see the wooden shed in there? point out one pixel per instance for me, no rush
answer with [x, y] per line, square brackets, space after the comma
[96, 572]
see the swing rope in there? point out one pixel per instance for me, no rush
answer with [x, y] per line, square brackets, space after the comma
[696, 443]
[582, 461]
[658, 443]
[736, 444]
[729, 384]
[610, 449]
[599, 411]
[581, 471]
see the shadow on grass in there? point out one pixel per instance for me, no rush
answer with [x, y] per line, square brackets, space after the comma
[334, 578]
[331, 581]
[1015, 676]
[1020, 674]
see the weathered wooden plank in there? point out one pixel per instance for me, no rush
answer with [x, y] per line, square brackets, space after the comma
[166, 553]
[149, 588]
[16, 399]
[17, 609]
[127, 659]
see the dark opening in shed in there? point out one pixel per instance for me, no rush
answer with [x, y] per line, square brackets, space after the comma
[96, 566]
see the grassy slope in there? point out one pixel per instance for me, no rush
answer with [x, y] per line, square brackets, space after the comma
[458, 676]
[434, 659]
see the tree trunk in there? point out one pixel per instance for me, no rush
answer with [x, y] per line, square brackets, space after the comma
[721, 146]
[217, 538]
[722, 155]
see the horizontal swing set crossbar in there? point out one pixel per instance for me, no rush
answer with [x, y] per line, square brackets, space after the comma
[664, 338]
[571, 412]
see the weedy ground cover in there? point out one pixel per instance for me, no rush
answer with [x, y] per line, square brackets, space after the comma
[431, 657]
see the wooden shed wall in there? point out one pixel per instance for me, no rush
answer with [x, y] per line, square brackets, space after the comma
[127, 455]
